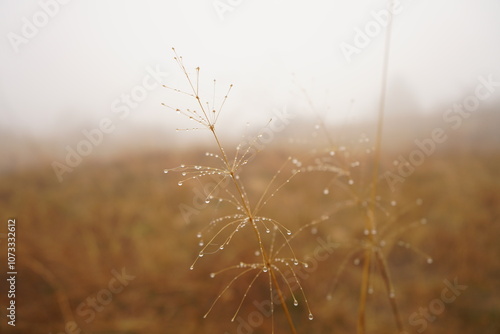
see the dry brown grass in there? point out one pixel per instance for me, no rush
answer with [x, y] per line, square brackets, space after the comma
[124, 213]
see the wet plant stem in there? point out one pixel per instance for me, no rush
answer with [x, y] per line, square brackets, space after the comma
[370, 224]
[249, 214]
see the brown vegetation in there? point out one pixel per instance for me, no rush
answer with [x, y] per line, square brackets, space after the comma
[124, 213]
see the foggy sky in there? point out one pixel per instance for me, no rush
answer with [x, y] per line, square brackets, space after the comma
[82, 58]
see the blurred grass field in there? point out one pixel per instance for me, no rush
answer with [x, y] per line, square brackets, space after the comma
[122, 213]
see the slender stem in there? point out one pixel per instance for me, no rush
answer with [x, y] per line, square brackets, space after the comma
[370, 224]
[364, 291]
[248, 211]
[244, 202]
[385, 274]
[274, 280]
[381, 110]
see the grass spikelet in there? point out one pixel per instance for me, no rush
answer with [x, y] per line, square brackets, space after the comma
[277, 263]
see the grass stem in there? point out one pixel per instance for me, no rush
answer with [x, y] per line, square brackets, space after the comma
[370, 224]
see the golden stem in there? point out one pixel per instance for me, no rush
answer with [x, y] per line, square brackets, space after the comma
[370, 224]
[265, 257]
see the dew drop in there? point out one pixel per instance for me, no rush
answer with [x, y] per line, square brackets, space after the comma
[198, 235]
[221, 247]
[257, 253]
[311, 317]
[264, 269]
[430, 260]
[288, 232]
[295, 262]
[201, 243]
[165, 171]
[191, 268]
[207, 200]
[295, 303]
[179, 183]
[201, 254]
[183, 173]
[326, 191]
[306, 265]
[351, 181]
[212, 275]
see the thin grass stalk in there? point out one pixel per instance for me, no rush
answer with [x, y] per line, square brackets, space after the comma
[385, 274]
[250, 216]
[231, 169]
[370, 224]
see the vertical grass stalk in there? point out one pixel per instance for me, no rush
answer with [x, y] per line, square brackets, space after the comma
[207, 117]
[370, 223]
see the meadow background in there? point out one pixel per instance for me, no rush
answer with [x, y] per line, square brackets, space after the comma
[122, 211]
[97, 67]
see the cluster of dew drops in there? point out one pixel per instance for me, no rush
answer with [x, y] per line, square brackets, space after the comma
[197, 171]
[356, 261]
[323, 165]
[400, 243]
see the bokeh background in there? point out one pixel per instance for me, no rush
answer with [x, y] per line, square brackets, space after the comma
[76, 70]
